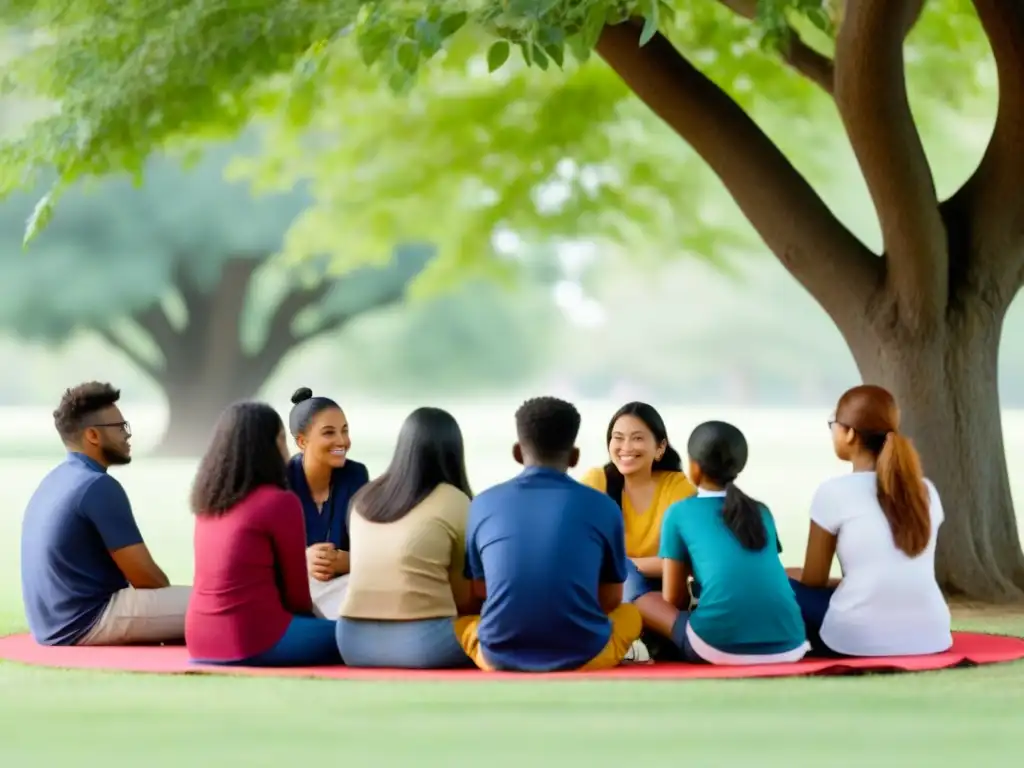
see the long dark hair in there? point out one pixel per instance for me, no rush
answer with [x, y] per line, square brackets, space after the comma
[669, 461]
[871, 412]
[720, 450]
[243, 455]
[429, 452]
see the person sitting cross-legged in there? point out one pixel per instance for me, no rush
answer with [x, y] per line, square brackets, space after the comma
[408, 534]
[546, 555]
[87, 576]
[747, 612]
[251, 604]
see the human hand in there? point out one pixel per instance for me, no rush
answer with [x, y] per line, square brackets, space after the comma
[320, 561]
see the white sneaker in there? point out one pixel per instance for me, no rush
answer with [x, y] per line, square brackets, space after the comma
[637, 654]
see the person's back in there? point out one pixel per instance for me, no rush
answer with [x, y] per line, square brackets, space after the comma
[882, 521]
[727, 543]
[238, 607]
[544, 542]
[548, 555]
[746, 607]
[251, 603]
[888, 603]
[404, 570]
[67, 573]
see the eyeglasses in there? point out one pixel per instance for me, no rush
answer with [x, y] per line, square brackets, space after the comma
[124, 426]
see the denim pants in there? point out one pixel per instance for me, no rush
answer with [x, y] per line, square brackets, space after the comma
[421, 644]
[308, 642]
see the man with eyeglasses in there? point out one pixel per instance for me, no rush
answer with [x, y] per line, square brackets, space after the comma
[87, 576]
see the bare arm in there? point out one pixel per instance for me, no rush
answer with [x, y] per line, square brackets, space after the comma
[106, 506]
[648, 566]
[821, 549]
[138, 566]
[609, 596]
[675, 583]
[478, 590]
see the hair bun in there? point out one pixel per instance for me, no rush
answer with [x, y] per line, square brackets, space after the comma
[301, 394]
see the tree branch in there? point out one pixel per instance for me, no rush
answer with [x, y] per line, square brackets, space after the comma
[137, 360]
[993, 191]
[794, 222]
[154, 321]
[871, 93]
[816, 67]
[280, 335]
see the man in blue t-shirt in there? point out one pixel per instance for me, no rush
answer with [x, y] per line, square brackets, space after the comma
[87, 577]
[547, 557]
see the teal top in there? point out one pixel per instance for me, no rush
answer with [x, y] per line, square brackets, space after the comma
[747, 606]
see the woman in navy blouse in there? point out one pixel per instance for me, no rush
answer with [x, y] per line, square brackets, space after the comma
[325, 480]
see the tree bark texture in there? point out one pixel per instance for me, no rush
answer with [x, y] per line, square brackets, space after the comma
[924, 317]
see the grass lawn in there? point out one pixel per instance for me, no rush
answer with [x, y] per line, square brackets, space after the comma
[50, 717]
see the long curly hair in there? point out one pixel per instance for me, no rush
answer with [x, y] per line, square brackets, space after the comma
[244, 454]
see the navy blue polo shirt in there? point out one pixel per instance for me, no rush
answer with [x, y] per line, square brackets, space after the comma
[78, 515]
[331, 522]
[542, 543]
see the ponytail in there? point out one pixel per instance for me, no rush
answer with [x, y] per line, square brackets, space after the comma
[615, 483]
[742, 515]
[903, 495]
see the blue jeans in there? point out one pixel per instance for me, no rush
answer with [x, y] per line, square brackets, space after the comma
[814, 602]
[422, 644]
[308, 642]
[637, 584]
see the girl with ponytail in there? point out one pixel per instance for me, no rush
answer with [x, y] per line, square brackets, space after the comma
[643, 476]
[727, 542]
[882, 520]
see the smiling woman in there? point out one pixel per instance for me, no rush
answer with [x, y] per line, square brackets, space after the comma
[325, 480]
[644, 477]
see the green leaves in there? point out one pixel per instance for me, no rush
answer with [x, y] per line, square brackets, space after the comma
[171, 72]
[497, 55]
[41, 215]
[650, 27]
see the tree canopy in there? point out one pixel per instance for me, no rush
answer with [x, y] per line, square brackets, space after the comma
[449, 167]
[922, 313]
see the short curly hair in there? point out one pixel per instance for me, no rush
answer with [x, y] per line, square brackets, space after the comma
[547, 427]
[78, 404]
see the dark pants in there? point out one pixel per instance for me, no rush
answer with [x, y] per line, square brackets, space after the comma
[814, 602]
[682, 642]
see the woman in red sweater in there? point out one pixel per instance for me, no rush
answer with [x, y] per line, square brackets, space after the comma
[250, 601]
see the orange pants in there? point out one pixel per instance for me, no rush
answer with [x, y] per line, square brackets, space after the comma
[626, 627]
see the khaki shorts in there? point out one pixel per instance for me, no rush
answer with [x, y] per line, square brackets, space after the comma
[135, 616]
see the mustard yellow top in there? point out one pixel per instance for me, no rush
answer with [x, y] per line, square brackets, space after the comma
[643, 529]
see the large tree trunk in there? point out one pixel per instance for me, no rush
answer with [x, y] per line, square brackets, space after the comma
[193, 410]
[947, 388]
[924, 317]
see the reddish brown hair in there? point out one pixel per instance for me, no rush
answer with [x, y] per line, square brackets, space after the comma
[872, 413]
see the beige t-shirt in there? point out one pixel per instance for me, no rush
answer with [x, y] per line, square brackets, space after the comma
[412, 568]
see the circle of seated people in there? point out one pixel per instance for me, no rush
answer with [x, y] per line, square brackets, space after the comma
[304, 560]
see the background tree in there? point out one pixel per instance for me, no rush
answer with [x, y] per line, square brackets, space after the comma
[180, 276]
[922, 312]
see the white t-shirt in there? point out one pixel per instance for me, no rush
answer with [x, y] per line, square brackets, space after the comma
[888, 604]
